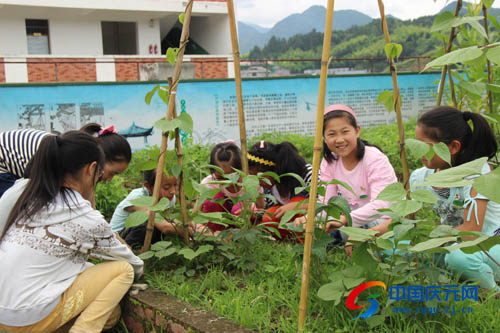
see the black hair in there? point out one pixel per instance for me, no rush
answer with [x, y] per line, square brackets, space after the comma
[149, 177]
[116, 148]
[286, 158]
[56, 157]
[446, 123]
[360, 153]
[226, 152]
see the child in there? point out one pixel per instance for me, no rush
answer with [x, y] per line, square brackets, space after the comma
[451, 126]
[280, 158]
[227, 156]
[354, 161]
[135, 235]
[50, 232]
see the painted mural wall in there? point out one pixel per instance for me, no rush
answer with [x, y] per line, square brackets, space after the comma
[284, 104]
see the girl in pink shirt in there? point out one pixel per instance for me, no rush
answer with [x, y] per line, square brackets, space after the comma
[354, 161]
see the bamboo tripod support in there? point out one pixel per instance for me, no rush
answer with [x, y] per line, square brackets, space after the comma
[170, 113]
[318, 140]
[237, 80]
[397, 100]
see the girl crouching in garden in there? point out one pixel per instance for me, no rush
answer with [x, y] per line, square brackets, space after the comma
[49, 234]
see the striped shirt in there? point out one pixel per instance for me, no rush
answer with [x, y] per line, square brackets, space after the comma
[17, 148]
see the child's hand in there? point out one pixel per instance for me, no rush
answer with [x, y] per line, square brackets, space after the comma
[283, 209]
[348, 249]
[332, 225]
[300, 221]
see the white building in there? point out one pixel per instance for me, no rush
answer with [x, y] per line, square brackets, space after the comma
[103, 31]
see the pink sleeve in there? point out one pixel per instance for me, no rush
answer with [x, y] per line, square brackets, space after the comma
[326, 174]
[380, 174]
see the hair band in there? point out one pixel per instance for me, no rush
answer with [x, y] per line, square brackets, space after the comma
[342, 107]
[106, 130]
[229, 141]
[260, 160]
[261, 144]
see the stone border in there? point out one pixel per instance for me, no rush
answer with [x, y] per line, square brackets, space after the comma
[154, 311]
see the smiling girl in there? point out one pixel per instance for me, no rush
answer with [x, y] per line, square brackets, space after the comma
[349, 159]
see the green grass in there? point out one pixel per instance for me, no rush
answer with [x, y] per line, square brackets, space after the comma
[267, 299]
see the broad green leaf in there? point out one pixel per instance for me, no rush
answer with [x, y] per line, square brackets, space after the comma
[251, 184]
[455, 177]
[401, 229]
[271, 174]
[351, 283]
[485, 244]
[423, 195]
[493, 88]
[457, 56]
[447, 20]
[188, 253]
[166, 125]
[182, 16]
[164, 94]
[359, 234]
[387, 98]
[493, 54]
[294, 175]
[162, 245]
[441, 150]
[143, 201]
[476, 88]
[375, 320]
[393, 50]
[494, 21]
[361, 257]
[387, 235]
[333, 291]
[185, 122]
[393, 192]
[488, 185]
[343, 205]
[172, 55]
[136, 218]
[406, 207]
[353, 271]
[146, 255]
[432, 244]
[417, 148]
[471, 245]
[384, 244]
[147, 165]
[204, 249]
[443, 21]
[488, 3]
[443, 230]
[176, 170]
[161, 205]
[150, 94]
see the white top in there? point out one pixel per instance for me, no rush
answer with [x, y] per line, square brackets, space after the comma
[40, 258]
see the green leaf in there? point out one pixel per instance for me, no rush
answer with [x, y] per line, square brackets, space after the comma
[146, 255]
[343, 205]
[160, 245]
[172, 55]
[359, 234]
[161, 205]
[417, 148]
[457, 56]
[488, 185]
[136, 218]
[361, 257]
[401, 229]
[405, 207]
[164, 94]
[443, 21]
[387, 98]
[494, 21]
[187, 253]
[147, 165]
[432, 244]
[486, 245]
[384, 244]
[289, 214]
[176, 170]
[143, 201]
[351, 283]
[375, 320]
[455, 177]
[251, 184]
[443, 230]
[393, 192]
[294, 175]
[185, 122]
[493, 54]
[493, 88]
[447, 20]
[150, 94]
[393, 50]
[470, 245]
[165, 253]
[441, 149]
[424, 195]
[182, 16]
[475, 88]
[488, 3]
[333, 291]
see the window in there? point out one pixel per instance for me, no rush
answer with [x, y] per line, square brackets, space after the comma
[37, 32]
[119, 37]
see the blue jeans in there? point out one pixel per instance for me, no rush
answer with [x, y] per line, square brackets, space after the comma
[6, 181]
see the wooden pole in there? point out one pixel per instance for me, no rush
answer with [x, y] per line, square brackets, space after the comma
[447, 50]
[318, 141]
[397, 100]
[237, 81]
[170, 112]
[488, 62]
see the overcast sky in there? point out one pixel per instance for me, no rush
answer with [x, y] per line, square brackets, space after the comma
[267, 12]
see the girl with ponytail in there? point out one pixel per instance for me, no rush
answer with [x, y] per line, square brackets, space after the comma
[468, 137]
[50, 231]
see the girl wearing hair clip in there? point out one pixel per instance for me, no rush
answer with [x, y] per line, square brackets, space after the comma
[18, 147]
[280, 158]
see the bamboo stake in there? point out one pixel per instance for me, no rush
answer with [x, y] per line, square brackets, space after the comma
[170, 111]
[488, 62]
[318, 140]
[447, 50]
[452, 88]
[182, 197]
[237, 81]
[397, 100]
